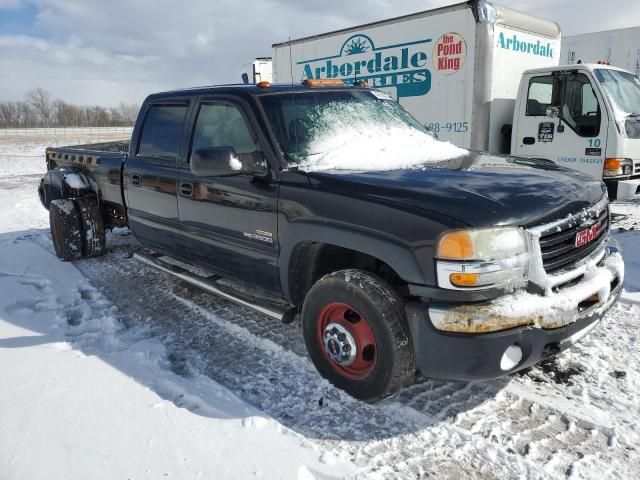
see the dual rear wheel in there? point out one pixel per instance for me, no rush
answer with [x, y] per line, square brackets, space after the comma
[77, 228]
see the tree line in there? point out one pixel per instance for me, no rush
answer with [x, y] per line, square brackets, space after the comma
[40, 109]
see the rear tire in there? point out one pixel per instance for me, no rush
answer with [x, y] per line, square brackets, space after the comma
[93, 233]
[353, 310]
[66, 232]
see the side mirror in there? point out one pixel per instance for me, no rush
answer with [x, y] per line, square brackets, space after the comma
[553, 112]
[430, 131]
[224, 162]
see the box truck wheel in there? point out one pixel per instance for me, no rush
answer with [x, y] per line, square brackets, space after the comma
[93, 234]
[356, 333]
[66, 232]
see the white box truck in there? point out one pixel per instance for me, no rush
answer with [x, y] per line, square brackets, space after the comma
[486, 77]
[258, 70]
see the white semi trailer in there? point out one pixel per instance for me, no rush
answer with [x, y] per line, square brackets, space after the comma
[488, 78]
[620, 48]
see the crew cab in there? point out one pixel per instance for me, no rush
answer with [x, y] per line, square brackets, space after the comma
[461, 265]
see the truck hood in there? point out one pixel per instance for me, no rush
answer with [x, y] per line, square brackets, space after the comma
[478, 189]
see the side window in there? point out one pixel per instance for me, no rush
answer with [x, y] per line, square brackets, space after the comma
[162, 131]
[580, 108]
[222, 125]
[540, 95]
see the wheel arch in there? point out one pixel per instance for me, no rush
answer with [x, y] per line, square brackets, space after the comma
[308, 246]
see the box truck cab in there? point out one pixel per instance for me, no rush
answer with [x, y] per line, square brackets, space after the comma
[585, 117]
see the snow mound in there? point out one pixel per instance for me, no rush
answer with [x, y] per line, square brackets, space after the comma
[342, 140]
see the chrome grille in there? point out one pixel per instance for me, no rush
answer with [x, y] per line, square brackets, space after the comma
[558, 247]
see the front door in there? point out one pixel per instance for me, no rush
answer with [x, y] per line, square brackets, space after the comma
[229, 220]
[575, 135]
[151, 175]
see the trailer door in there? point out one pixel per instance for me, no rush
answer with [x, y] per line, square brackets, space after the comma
[563, 118]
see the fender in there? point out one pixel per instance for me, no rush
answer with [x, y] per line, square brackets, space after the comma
[399, 257]
[66, 182]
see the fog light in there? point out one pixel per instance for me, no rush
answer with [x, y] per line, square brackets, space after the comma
[511, 357]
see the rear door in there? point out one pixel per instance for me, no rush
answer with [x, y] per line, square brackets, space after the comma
[229, 220]
[574, 138]
[151, 174]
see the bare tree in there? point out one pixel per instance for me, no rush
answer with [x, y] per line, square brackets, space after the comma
[9, 115]
[40, 100]
[39, 109]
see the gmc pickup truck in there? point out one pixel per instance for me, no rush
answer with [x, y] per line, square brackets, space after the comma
[469, 266]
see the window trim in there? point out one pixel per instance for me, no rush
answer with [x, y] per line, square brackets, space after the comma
[220, 101]
[563, 93]
[164, 103]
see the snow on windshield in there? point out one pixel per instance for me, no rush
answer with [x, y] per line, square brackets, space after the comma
[370, 136]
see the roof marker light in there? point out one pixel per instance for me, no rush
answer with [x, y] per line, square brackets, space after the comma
[263, 84]
[323, 82]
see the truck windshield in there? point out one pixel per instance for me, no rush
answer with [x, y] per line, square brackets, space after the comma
[623, 90]
[304, 122]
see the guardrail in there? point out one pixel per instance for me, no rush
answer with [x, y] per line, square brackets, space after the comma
[62, 131]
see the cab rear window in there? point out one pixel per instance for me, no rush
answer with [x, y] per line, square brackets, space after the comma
[162, 131]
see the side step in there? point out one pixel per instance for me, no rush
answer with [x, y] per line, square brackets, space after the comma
[208, 284]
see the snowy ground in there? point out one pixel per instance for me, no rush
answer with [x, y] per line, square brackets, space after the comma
[109, 369]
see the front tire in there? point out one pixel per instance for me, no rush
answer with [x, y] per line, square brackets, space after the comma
[66, 232]
[356, 333]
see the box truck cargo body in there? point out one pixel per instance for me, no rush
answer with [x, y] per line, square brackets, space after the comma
[620, 48]
[456, 69]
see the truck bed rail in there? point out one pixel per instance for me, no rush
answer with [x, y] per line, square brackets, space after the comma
[115, 147]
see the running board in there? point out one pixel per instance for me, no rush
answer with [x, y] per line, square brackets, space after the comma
[207, 284]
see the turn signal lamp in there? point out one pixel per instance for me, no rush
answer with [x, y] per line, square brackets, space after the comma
[612, 163]
[456, 245]
[323, 82]
[613, 167]
[464, 279]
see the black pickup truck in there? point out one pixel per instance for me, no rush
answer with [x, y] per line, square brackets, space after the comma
[464, 268]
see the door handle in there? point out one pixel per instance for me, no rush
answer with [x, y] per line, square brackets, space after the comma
[136, 179]
[186, 189]
[528, 140]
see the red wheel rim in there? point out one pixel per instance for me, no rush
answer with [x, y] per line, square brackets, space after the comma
[357, 326]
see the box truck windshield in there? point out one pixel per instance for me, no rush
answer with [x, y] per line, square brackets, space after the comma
[351, 130]
[623, 91]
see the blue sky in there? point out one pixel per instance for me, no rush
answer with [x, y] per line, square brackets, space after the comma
[105, 51]
[20, 20]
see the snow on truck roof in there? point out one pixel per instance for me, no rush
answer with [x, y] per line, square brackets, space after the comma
[484, 12]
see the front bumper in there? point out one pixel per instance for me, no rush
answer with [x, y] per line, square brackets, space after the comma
[451, 355]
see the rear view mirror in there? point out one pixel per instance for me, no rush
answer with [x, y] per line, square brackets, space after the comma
[224, 162]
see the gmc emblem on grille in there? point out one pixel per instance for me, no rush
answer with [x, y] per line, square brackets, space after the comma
[588, 235]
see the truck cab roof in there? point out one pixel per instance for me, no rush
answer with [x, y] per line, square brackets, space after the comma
[588, 67]
[250, 89]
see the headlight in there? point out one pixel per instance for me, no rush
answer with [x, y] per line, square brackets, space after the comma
[478, 259]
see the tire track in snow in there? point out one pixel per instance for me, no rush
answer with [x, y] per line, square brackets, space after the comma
[482, 429]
